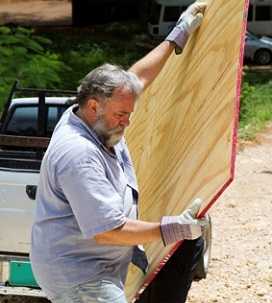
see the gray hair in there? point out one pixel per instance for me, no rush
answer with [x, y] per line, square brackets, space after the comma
[101, 82]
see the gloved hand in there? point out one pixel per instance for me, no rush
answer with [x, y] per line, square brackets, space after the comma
[188, 22]
[185, 226]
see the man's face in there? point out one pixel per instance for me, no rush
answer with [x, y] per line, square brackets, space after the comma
[113, 116]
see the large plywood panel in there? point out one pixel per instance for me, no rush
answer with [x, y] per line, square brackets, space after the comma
[183, 134]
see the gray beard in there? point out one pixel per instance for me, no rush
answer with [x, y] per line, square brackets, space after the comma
[109, 137]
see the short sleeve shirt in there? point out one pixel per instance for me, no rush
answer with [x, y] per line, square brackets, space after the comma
[84, 189]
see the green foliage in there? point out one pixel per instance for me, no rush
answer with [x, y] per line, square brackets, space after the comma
[24, 57]
[61, 59]
[246, 105]
[80, 62]
[256, 103]
[83, 62]
[85, 49]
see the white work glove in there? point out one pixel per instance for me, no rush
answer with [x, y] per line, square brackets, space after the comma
[185, 226]
[188, 22]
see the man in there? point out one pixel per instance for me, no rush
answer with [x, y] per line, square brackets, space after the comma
[86, 225]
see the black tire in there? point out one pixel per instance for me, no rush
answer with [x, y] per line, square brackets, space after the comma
[263, 57]
[203, 264]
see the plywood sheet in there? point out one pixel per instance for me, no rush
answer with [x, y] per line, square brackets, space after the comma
[183, 134]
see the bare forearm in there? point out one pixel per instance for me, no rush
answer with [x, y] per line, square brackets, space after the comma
[133, 232]
[149, 67]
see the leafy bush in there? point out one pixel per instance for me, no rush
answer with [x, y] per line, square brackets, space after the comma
[80, 63]
[58, 59]
[83, 59]
[83, 49]
[24, 57]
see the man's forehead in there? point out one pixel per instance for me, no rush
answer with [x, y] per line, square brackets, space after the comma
[122, 92]
[122, 99]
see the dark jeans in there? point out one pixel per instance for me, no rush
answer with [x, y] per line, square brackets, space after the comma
[172, 283]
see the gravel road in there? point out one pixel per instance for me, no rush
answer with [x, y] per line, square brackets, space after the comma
[241, 265]
[36, 12]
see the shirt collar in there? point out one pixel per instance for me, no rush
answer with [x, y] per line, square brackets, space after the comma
[91, 132]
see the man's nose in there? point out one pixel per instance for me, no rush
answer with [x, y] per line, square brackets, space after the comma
[124, 122]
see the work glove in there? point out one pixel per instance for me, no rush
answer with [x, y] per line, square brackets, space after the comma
[188, 22]
[185, 226]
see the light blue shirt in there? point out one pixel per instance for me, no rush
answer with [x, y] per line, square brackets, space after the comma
[83, 190]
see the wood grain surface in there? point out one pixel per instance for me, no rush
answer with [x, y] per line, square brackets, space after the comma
[182, 136]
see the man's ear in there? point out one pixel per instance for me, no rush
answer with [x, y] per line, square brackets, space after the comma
[92, 106]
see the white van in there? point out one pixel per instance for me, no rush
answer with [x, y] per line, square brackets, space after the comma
[165, 13]
[260, 17]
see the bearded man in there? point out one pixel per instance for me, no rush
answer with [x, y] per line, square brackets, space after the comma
[86, 229]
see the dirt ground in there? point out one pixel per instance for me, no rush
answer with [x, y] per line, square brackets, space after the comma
[36, 12]
[241, 265]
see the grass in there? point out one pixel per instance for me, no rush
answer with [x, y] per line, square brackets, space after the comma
[256, 102]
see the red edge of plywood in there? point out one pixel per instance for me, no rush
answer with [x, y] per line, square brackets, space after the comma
[153, 274]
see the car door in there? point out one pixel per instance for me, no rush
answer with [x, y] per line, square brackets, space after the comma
[19, 175]
[251, 45]
[17, 204]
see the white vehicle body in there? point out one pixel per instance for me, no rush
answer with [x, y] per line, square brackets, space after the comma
[260, 17]
[19, 170]
[16, 210]
[26, 126]
[165, 13]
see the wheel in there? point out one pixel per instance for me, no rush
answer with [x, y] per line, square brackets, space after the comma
[203, 264]
[263, 57]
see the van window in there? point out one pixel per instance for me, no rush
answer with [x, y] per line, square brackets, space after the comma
[155, 11]
[250, 13]
[263, 13]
